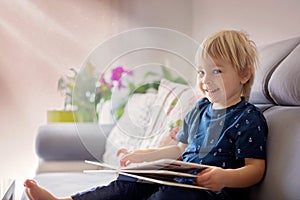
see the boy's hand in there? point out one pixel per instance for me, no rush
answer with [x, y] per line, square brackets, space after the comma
[212, 178]
[173, 132]
[129, 157]
[146, 155]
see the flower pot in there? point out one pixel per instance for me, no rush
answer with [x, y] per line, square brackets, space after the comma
[60, 116]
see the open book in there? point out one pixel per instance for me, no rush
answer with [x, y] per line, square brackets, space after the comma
[164, 171]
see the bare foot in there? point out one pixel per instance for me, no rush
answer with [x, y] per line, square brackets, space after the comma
[35, 192]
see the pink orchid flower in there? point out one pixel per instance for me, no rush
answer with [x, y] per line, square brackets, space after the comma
[117, 74]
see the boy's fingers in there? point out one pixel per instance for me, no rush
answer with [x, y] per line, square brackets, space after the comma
[122, 151]
[202, 178]
[124, 162]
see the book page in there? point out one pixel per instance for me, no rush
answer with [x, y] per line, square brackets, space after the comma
[164, 171]
[163, 164]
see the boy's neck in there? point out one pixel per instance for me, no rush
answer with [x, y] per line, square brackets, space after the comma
[217, 106]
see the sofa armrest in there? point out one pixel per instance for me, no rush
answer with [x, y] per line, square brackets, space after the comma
[72, 141]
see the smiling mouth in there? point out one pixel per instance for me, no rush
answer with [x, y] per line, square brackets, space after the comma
[211, 91]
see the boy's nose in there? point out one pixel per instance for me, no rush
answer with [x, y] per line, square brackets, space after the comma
[206, 80]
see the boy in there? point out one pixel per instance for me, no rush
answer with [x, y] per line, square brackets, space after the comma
[222, 130]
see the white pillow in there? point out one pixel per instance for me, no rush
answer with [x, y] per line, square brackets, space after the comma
[148, 119]
[173, 102]
[131, 127]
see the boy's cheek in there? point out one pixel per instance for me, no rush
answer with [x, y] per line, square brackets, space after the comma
[200, 86]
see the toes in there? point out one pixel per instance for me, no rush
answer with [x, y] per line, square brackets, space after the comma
[30, 183]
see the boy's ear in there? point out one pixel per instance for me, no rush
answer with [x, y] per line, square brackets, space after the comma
[246, 75]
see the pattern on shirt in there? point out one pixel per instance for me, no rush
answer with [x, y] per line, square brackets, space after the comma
[223, 137]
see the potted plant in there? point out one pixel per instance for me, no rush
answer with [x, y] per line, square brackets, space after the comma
[83, 92]
[75, 109]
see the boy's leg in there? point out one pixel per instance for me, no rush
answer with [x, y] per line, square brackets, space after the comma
[119, 190]
[173, 193]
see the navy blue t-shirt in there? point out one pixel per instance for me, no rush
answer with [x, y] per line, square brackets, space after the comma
[223, 137]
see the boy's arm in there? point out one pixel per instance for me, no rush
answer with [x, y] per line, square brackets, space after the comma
[246, 176]
[137, 156]
[216, 178]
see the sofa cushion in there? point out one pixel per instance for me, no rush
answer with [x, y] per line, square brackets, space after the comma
[270, 56]
[284, 84]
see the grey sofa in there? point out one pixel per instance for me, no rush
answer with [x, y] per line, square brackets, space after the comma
[63, 147]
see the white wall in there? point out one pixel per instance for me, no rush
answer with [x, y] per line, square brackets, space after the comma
[265, 20]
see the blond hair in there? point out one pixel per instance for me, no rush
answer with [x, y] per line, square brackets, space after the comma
[237, 48]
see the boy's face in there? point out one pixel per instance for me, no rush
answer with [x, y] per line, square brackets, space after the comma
[220, 82]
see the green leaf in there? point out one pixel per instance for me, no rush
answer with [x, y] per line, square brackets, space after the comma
[150, 74]
[142, 89]
[106, 95]
[131, 87]
[120, 110]
[167, 74]
[180, 80]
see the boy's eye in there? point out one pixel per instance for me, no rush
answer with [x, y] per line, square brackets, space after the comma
[217, 71]
[201, 73]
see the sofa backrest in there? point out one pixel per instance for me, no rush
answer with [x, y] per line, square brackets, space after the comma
[276, 91]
